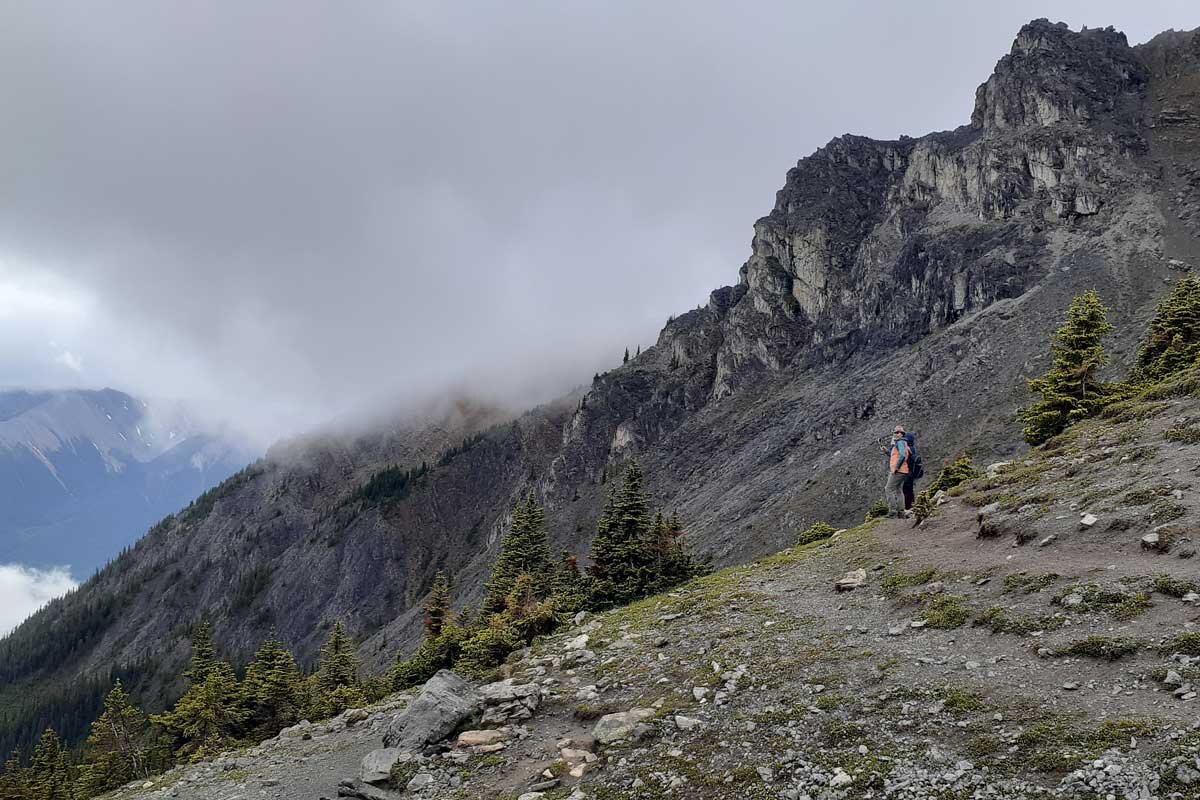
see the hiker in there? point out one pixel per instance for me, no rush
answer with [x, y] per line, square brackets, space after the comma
[915, 471]
[898, 472]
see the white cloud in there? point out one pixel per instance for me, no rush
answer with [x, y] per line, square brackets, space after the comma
[24, 590]
[69, 360]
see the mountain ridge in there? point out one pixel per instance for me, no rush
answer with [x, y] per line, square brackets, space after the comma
[83, 472]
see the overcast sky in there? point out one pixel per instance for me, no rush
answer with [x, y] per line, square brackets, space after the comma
[283, 210]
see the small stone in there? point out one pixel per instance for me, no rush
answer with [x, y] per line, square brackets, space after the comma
[1088, 520]
[840, 779]
[1173, 678]
[700, 692]
[918, 623]
[1072, 599]
[1070, 686]
[686, 723]
[765, 773]
[420, 781]
[851, 580]
[578, 643]
[1048, 540]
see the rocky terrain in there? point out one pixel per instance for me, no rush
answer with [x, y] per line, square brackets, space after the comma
[1038, 637]
[913, 280]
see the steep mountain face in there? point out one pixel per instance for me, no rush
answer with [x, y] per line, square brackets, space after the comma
[84, 473]
[915, 280]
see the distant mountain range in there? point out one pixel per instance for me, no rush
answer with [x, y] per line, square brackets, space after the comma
[85, 473]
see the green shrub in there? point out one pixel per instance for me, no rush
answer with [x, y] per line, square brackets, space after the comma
[1098, 646]
[487, 648]
[946, 612]
[822, 530]
[1174, 587]
[1186, 643]
[893, 583]
[878, 509]
[1184, 434]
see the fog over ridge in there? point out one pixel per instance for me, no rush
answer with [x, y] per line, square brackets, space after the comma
[287, 213]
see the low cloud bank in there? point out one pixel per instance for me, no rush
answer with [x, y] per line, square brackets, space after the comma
[24, 590]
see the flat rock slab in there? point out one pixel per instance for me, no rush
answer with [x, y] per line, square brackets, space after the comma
[615, 727]
[851, 580]
[377, 764]
[443, 703]
[477, 738]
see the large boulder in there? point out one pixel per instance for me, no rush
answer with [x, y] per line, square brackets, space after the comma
[443, 703]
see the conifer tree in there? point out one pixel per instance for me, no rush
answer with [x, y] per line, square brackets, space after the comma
[339, 665]
[1173, 340]
[1071, 390]
[673, 564]
[14, 779]
[524, 550]
[204, 654]
[622, 561]
[626, 359]
[118, 749]
[209, 716]
[49, 775]
[437, 606]
[569, 590]
[273, 688]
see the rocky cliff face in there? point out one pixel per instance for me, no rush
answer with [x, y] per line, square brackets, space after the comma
[914, 280]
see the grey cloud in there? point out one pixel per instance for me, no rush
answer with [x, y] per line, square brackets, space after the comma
[286, 210]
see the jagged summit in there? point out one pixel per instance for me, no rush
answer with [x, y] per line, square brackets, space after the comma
[913, 281]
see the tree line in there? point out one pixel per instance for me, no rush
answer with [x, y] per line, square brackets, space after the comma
[636, 552]
[218, 711]
[1072, 390]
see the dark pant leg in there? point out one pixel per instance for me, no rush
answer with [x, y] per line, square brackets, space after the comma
[908, 492]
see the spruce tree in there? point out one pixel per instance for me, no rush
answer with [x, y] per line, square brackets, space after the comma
[437, 606]
[49, 775]
[118, 749]
[523, 551]
[673, 564]
[273, 688]
[626, 359]
[210, 715]
[204, 654]
[1173, 340]
[339, 665]
[1071, 390]
[569, 590]
[13, 780]
[622, 560]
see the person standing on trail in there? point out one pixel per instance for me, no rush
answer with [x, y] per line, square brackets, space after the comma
[898, 472]
[915, 471]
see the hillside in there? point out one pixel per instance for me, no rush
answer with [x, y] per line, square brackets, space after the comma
[84, 473]
[912, 280]
[1001, 649]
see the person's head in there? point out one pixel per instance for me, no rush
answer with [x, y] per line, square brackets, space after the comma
[898, 433]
